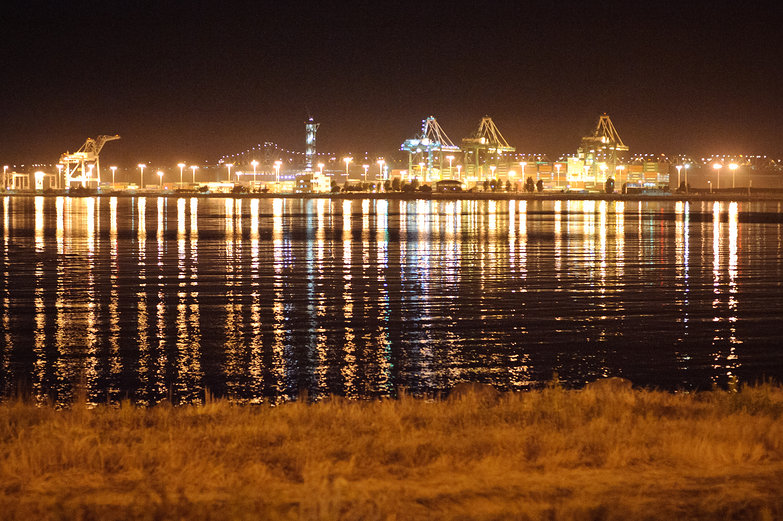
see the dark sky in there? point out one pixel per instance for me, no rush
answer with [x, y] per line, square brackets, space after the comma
[194, 80]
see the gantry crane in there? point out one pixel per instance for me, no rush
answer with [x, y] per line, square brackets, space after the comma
[432, 140]
[487, 147]
[81, 161]
[604, 146]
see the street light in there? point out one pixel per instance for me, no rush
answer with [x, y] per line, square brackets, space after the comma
[366, 167]
[733, 167]
[619, 176]
[492, 171]
[687, 167]
[421, 172]
[450, 158]
[113, 169]
[160, 176]
[277, 171]
[59, 175]
[228, 166]
[321, 169]
[141, 166]
[181, 168]
[194, 168]
[717, 167]
[522, 165]
[459, 172]
[381, 162]
[255, 164]
[347, 162]
[557, 167]
[678, 167]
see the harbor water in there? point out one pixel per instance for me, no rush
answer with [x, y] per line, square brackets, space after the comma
[258, 300]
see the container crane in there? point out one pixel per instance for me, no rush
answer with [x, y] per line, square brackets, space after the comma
[486, 146]
[77, 163]
[432, 140]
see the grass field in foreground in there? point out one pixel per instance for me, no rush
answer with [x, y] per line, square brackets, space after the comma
[551, 454]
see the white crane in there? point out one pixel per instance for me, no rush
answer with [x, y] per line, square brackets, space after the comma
[78, 165]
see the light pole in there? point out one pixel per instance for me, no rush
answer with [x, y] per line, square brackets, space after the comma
[678, 167]
[255, 164]
[366, 167]
[717, 167]
[450, 158]
[733, 167]
[381, 162]
[59, 175]
[687, 166]
[459, 172]
[321, 169]
[113, 169]
[522, 165]
[160, 176]
[181, 168]
[557, 167]
[619, 176]
[141, 166]
[277, 171]
[421, 172]
[710, 185]
[5, 177]
[492, 171]
[347, 161]
[228, 166]
[194, 168]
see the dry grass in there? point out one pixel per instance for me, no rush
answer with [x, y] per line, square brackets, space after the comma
[550, 455]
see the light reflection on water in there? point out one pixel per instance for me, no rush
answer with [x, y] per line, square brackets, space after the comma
[263, 299]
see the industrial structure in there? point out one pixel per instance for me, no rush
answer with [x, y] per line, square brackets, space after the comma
[485, 160]
[429, 149]
[311, 127]
[483, 157]
[600, 156]
[603, 147]
[79, 165]
[603, 157]
[486, 152]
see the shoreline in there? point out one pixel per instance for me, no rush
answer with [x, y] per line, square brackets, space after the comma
[434, 196]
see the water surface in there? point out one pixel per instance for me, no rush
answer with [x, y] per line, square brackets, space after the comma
[258, 299]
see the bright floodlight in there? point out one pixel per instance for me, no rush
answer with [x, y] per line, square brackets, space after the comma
[717, 166]
[733, 166]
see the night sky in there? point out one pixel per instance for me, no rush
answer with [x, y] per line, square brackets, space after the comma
[194, 80]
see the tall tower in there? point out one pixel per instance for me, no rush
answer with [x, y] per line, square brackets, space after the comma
[311, 127]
